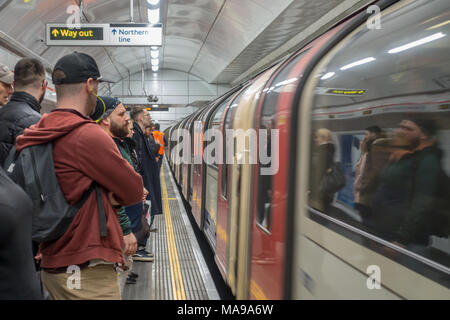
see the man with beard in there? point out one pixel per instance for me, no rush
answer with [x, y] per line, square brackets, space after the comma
[111, 115]
[25, 104]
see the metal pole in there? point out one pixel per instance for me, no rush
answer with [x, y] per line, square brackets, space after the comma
[132, 11]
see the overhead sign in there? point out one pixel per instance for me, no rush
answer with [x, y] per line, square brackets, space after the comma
[105, 35]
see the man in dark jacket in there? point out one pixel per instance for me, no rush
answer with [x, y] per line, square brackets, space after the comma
[148, 165]
[25, 104]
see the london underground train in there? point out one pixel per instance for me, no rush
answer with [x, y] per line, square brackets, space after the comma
[353, 202]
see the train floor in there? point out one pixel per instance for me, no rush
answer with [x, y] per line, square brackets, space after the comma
[179, 271]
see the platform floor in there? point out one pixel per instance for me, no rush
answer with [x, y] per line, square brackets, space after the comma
[179, 271]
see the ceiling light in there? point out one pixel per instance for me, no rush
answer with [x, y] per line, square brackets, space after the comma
[154, 54]
[417, 43]
[153, 2]
[155, 62]
[153, 15]
[155, 68]
[328, 75]
[357, 63]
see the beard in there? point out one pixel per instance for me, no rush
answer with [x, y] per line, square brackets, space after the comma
[118, 131]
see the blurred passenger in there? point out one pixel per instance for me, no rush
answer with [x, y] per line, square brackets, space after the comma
[148, 166]
[407, 202]
[159, 140]
[83, 154]
[367, 169]
[24, 107]
[6, 84]
[154, 147]
[18, 279]
[322, 163]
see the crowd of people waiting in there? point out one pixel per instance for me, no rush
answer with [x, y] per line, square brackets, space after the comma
[107, 167]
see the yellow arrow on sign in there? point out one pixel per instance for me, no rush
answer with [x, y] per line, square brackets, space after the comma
[55, 32]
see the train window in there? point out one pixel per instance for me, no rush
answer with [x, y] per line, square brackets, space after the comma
[380, 139]
[283, 81]
[228, 125]
[214, 123]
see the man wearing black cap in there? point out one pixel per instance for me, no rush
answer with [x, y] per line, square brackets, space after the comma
[83, 153]
[409, 186]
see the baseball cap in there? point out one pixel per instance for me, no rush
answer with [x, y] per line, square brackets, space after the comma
[104, 107]
[6, 75]
[76, 67]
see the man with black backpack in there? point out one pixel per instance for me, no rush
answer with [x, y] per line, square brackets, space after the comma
[80, 252]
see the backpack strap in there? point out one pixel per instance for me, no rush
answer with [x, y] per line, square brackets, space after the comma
[101, 213]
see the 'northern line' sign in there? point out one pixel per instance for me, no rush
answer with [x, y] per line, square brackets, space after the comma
[105, 35]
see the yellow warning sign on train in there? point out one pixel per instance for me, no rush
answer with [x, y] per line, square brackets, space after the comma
[347, 92]
[58, 33]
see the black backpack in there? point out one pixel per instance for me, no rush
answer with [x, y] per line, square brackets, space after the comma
[33, 169]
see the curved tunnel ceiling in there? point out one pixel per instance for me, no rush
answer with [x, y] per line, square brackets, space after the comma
[215, 40]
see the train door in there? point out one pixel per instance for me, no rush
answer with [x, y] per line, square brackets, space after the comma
[212, 152]
[223, 190]
[271, 231]
[196, 200]
[245, 155]
[375, 115]
[187, 166]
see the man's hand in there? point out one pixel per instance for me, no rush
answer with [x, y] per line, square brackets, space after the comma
[38, 257]
[112, 200]
[145, 194]
[130, 244]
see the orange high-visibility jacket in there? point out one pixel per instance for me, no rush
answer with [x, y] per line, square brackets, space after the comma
[159, 138]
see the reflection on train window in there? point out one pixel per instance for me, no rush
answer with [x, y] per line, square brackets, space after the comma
[380, 158]
[282, 82]
[228, 125]
[215, 124]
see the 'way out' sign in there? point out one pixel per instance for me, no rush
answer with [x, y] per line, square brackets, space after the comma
[105, 35]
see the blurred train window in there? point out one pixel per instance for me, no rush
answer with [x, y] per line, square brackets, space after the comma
[281, 83]
[214, 123]
[228, 125]
[381, 126]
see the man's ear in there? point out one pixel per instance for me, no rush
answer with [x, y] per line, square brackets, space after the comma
[106, 122]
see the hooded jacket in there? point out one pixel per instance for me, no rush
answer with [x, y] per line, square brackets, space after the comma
[83, 153]
[21, 112]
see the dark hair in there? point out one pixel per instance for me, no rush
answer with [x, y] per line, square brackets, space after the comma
[157, 126]
[28, 72]
[135, 112]
[374, 129]
[428, 126]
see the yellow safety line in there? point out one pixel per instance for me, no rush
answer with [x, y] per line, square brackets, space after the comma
[175, 269]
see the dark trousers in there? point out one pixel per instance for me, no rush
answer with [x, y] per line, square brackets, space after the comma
[134, 213]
